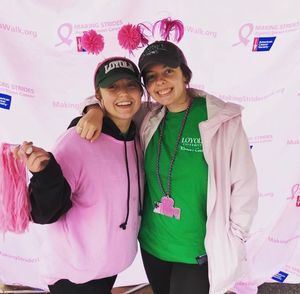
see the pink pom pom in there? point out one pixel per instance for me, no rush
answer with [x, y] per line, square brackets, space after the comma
[92, 42]
[129, 37]
[14, 199]
[167, 25]
[143, 28]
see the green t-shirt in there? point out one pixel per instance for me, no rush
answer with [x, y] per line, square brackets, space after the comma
[166, 237]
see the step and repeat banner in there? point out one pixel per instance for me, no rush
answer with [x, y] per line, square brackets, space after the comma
[243, 52]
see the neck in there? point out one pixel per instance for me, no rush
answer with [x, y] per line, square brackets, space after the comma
[123, 127]
[181, 106]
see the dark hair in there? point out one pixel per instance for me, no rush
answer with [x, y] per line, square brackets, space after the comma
[187, 73]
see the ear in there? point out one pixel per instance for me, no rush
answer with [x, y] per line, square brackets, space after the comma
[98, 94]
[99, 97]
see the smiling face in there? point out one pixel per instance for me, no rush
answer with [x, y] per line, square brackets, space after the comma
[167, 86]
[121, 101]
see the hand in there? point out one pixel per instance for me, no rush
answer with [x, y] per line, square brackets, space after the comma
[90, 125]
[36, 158]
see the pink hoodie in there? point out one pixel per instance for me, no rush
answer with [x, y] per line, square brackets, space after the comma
[87, 242]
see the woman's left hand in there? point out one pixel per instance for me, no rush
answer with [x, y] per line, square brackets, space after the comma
[35, 158]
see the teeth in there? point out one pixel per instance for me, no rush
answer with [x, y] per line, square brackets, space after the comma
[124, 103]
[163, 92]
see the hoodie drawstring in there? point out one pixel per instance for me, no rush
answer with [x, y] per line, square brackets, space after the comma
[124, 224]
[139, 182]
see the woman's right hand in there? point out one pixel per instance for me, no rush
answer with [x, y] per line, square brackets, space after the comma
[90, 125]
[36, 158]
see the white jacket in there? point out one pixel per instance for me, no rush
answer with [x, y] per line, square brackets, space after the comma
[232, 187]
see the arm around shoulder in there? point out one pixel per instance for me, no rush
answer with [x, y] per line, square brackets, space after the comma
[90, 125]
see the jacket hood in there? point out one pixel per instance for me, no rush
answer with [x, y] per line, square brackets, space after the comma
[216, 106]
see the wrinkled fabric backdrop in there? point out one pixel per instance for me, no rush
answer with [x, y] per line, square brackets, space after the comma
[243, 52]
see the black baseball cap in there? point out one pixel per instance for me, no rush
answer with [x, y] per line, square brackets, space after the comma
[163, 52]
[113, 69]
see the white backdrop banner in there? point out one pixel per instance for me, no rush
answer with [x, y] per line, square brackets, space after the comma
[243, 52]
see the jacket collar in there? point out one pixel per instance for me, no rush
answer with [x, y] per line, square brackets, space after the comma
[216, 108]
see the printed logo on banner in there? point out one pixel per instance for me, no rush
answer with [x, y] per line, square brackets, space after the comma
[263, 34]
[298, 201]
[66, 30]
[64, 33]
[259, 139]
[247, 98]
[263, 43]
[280, 277]
[266, 194]
[244, 33]
[67, 105]
[295, 194]
[293, 142]
[79, 46]
[17, 30]
[5, 101]
[276, 240]
[200, 31]
[15, 89]
[19, 258]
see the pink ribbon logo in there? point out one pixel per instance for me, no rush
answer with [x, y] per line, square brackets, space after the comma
[295, 192]
[64, 32]
[244, 33]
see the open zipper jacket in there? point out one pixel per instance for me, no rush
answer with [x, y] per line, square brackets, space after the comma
[232, 187]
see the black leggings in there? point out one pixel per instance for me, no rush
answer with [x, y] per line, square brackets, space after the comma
[101, 286]
[174, 277]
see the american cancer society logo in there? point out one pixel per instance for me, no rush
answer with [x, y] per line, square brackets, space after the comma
[280, 277]
[263, 43]
[260, 43]
[5, 101]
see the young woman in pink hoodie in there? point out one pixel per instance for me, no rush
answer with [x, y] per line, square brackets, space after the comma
[89, 196]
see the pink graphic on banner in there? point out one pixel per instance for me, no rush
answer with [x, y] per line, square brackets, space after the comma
[295, 192]
[293, 141]
[298, 201]
[79, 45]
[64, 32]
[255, 44]
[244, 33]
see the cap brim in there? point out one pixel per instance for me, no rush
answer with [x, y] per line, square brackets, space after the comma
[159, 59]
[118, 76]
